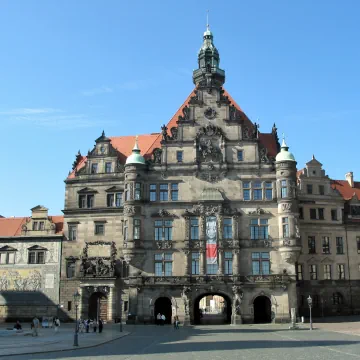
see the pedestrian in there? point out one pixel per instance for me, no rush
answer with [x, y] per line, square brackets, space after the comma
[87, 325]
[56, 324]
[158, 319]
[17, 326]
[163, 318]
[35, 326]
[177, 322]
[95, 326]
[101, 325]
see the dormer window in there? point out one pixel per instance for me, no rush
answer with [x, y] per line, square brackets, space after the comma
[108, 167]
[94, 168]
[38, 225]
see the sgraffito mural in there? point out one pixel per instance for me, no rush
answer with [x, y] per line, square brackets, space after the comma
[20, 280]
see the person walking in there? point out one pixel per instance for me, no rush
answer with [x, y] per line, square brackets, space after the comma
[158, 319]
[95, 325]
[101, 326]
[176, 322]
[163, 318]
[87, 325]
[35, 325]
[56, 324]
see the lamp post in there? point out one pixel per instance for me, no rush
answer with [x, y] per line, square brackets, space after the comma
[309, 300]
[76, 301]
[121, 328]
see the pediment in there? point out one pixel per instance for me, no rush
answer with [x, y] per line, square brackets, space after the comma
[39, 208]
[87, 190]
[327, 260]
[114, 189]
[313, 260]
[37, 247]
[7, 248]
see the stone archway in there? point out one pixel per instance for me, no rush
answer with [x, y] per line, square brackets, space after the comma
[262, 310]
[200, 316]
[163, 306]
[98, 306]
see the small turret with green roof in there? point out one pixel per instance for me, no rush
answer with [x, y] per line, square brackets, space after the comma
[135, 157]
[285, 154]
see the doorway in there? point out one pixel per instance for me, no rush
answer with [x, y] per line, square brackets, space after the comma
[164, 307]
[262, 310]
[212, 309]
[97, 306]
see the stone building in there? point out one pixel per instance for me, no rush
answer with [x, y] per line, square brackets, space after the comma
[208, 206]
[30, 252]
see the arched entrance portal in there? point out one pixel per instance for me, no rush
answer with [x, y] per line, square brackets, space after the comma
[163, 306]
[98, 306]
[212, 309]
[262, 310]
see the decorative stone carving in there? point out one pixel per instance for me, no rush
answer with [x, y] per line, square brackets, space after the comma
[223, 98]
[185, 117]
[286, 207]
[129, 210]
[287, 242]
[164, 213]
[249, 133]
[185, 296]
[195, 100]
[211, 177]
[195, 244]
[119, 166]
[290, 256]
[101, 289]
[164, 133]
[163, 244]
[210, 130]
[174, 133]
[234, 114]
[258, 211]
[238, 295]
[78, 158]
[209, 152]
[263, 154]
[297, 229]
[157, 153]
[210, 113]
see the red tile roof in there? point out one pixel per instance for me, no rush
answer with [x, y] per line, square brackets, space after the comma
[147, 143]
[344, 188]
[12, 226]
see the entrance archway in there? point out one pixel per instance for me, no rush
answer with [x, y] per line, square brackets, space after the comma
[98, 306]
[212, 309]
[262, 310]
[164, 307]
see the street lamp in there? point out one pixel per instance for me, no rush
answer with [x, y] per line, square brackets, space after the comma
[309, 300]
[76, 301]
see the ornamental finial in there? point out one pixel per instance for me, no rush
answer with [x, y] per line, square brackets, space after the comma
[207, 20]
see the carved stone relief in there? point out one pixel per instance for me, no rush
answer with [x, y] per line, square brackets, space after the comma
[210, 113]
[129, 210]
[286, 207]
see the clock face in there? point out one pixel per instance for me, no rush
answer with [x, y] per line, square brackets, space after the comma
[102, 149]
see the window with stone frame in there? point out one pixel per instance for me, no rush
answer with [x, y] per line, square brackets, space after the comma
[257, 190]
[36, 256]
[228, 261]
[299, 272]
[355, 210]
[240, 155]
[86, 201]
[326, 245]
[195, 263]
[268, 190]
[194, 229]
[7, 255]
[246, 190]
[94, 168]
[259, 229]
[114, 199]
[164, 192]
[339, 245]
[70, 269]
[99, 228]
[321, 189]
[174, 192]
[313, 271]
[341, 271]
[108, 167]
[309, 189]
[260, 263]
[35, 226]
[321, 214]
[212, 269]
[285, 227]
[313, 214]
[334, 216]
[311, 245]
[179, 155]
[163, 264]
[72, 232]
[137, 229]
[227, 229]
[137, 191]
[125, 230]
[327, 272]
[163, 230]
[301, 213]
[41, 225]
[153, 192]
[283, 189]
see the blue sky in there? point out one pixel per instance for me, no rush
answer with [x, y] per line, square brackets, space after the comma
[69, 69]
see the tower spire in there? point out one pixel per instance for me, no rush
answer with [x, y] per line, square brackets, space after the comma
[207, 20]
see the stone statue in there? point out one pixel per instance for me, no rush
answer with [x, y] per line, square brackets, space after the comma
[237, 299]
[184, 295]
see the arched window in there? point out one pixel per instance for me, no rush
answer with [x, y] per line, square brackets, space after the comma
[337, 298]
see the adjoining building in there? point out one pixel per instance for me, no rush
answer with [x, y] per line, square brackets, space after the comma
[30, 252]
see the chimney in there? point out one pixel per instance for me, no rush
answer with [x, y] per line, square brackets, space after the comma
[350, 178]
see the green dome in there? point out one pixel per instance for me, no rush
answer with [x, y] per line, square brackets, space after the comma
[285, 154]
[135, 157]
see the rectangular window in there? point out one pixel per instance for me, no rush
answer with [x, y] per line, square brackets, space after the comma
[126, 229]
[35, 225]
[152, 192]
[259, 229]
[32, 257]
[72, 229]
[41, 226]
[163, 264]
[137, 227]
[195, 263]
[285, 227]
[341, 271]
[268, 191]
[339, 245]
[194, 229]
[163, 230]
[327, 272]
[240, 155]
[260, 263]
[212, 269]
[118, 199]
[326, 245]
[334, 214]
[321, 190]
[246, 190]
[174, 192]
[309, 188]
[94, 168]
[228, 262]
[40, 259]
[127, 192]
[164, 193]
[299, 272]
[301, 213]
[137, 191]
[90, 201]
[311, 245]
[99, 229]
[257, 191]
[313, 272]
[110, 200]
[69, 306]
[7, 258]
[108, 166]
[179, 155]
[70, 269]
[313, 214]
[321, 214]
[82, 202]
[227, 231]
[358, 244]
[284, 189]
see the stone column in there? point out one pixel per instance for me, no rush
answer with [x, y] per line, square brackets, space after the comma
[110, 309]
[81, 292]
[236, 253]
[187, 262]
[203, 228]
[221, 262]
[202, 261]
